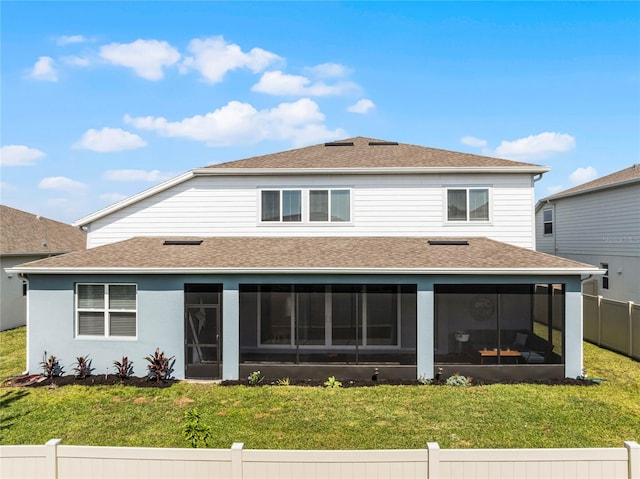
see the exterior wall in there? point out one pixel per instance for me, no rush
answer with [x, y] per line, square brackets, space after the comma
[160, 317]
[13, 305]
[599, 227]
[382, 205]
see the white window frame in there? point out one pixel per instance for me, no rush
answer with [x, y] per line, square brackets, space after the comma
[281, 192]
[467, 220]
[546, 222]
[106, 310]
[329, 200]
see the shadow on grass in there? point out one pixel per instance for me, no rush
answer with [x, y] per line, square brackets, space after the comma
[6, 399]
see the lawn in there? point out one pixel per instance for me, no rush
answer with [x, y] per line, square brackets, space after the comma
[290, 417]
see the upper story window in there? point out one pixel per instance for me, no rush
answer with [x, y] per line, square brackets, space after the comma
[329, 205]
[547, 221]
[281, 205]
[468, 204]
[106, 310]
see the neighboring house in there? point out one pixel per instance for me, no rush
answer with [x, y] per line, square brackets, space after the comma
[334, 259]
[27, 237]
[597, 223]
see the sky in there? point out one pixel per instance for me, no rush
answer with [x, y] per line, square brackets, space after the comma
[102, 100]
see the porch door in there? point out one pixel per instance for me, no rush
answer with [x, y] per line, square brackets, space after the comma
[203, 355]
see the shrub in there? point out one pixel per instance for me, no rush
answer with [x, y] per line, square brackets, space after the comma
[458, 380]
[160, 367]
[283, 382]
[424, 380]
[332, 382]
[124, 368]
[255, 378]
[83, 367]
[197, 434]
[51, 367]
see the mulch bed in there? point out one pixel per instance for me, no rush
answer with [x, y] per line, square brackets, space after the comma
[38, 380]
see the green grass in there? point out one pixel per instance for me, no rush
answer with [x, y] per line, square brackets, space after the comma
[289, 417]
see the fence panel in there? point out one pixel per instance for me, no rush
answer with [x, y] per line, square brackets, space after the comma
[23, 462]
[615, 325]
[591, 318]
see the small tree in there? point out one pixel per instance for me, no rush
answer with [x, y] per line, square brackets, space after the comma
[197, 434]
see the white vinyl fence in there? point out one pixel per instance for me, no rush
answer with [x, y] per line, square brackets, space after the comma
[612, 324]
[55, 461]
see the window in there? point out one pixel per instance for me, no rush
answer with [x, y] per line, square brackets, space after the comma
[106, 310]
[329, 205]
[547, 220]
[468, 204]
[281, 205]
[605, 277]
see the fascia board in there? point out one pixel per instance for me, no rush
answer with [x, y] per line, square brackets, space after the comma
[610, 186]
[365, 171]
[277, 271]
[135, 198]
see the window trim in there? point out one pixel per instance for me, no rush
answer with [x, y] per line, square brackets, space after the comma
[467, 220]
[548, 222]
[106, 310]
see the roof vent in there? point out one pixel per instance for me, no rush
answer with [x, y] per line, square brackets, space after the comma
[182, 242]
[339, 143]
[383, 143]
[448, 242]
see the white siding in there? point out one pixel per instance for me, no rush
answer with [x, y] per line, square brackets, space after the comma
[391, 205]
[600, 227]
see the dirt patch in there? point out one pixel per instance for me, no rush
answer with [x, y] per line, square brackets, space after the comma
[98, 380]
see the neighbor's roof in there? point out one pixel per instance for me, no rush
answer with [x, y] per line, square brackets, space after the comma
[360, 152]
[26, 233]
[619, 178]
[355, 156]
[377, 255]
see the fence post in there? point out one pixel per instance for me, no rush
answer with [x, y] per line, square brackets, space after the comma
[630, 313]
[633, 448]
[51, 461]
[599, 343]
[433, 460]
[236, 460]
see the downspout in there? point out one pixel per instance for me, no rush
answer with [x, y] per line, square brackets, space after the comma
[25, 278]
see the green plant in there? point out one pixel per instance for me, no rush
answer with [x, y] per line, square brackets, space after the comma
[424, 380]
[160, 367]
[283, 382]
[332, 382]
[458, 380]
[51, 367]
[124, 368]
[83, 367]
[197, 434]
[255, 378]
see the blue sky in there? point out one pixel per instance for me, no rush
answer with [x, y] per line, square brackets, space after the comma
[101, 100]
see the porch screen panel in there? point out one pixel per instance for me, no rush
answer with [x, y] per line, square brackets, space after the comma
[275, 314]
[310, 314]
[382, 315]
[346, 315]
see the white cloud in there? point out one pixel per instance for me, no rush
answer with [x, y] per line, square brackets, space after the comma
[44, 70]
[552, 190]
[61, 183]
[278, 83]
[109, 139]
[136, 175]
[69, 39]
[237, 123]
[473, 141]
[214, 57]
[536, 146]
[582, 175]
[76, 61]
[146, 57]
[112, 197]
[19, 155]
[361, 106]
[329, 70]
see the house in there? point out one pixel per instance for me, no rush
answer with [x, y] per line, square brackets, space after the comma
[27, 237]
[334, 259]
[597, 223]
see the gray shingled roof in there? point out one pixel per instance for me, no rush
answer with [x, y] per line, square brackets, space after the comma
[622, 177]
[360, 152]
[310, 254]
[26, 233]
